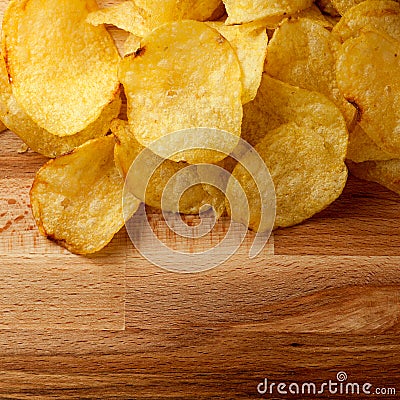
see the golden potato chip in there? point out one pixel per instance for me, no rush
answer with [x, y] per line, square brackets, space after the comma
[127, 149]
[386, 173]
[38, 139]
[306, 175]
[368, 74]
[381, 15]
[63, 73]
[127, 16]
[242, 11]
[278, 103]
[362, 148]
[77, 198]
[2, 126]
[185, 75]
[250, 43]
[302, 53]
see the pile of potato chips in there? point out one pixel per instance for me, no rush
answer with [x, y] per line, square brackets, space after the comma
[308, 85]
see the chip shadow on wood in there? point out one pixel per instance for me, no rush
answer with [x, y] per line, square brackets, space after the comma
[363, 221]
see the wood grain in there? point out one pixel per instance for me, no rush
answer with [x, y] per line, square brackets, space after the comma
[323, 297]
[41, 284]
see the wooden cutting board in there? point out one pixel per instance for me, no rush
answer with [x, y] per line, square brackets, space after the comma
[323, 297]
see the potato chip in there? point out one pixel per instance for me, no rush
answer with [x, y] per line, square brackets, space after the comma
[163, 11]
[127, 149]
[250, 43]
[2, 127]
[242, 11]
[386, 173]
[131, 44]
[185, 75]
[38, 139]
[306, 175]
[312, 13]
[362, 148]
[333, 20]
[302, 53]
[127, 16]
[278, 103]
[344, 5]
[63, 73]
[368, 74]
[77, 198]
[381, 15]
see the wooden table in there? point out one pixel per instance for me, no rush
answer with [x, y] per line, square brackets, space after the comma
[323, 297]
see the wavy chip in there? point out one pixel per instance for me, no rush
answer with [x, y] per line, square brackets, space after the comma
[63, 74]
[380, 15]
[368, 74]
[278, 103]
[250, 43]
[77, 198]
[127, 149]
[37, 138]
[243, 11]
[386, 173]
[307, 177]
[303, 53]
[165, 95]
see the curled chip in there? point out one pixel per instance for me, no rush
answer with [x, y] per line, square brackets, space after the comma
[127, 149]
[242, 11]
[278, 103]
[185, 75]
[386, 173]
[362, 148]
[127, 16]
[77, 198]
[63, 74]
[250, 43]
[307, 177]
[368, 74]
[302, 53]
[380, 15]
[37, 138]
